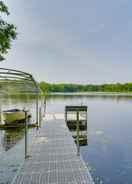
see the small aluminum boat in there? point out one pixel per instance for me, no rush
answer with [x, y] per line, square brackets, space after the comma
[13, 116]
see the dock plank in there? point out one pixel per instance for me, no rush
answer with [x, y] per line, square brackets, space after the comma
[53, 158]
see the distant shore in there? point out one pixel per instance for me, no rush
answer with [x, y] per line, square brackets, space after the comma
[117, 88]
[92, 93]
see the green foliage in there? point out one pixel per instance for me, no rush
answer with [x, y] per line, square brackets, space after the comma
[7, 32]
[46, 87]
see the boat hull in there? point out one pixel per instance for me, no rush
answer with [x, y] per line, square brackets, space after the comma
[13, 117]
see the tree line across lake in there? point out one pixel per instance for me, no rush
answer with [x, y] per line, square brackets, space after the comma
[64, 88]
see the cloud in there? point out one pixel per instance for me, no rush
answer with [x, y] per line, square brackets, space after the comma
[63, 40]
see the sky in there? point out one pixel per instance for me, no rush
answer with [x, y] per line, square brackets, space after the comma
[72, 41]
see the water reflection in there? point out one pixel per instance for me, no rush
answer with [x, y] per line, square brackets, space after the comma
[107, 140]
[76, 120]
[83, 138]
[12, 140]
[91, 96]
[109, 150]
[11, 137]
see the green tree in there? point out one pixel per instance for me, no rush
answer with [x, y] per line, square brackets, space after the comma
[7, 32]
[118, 87]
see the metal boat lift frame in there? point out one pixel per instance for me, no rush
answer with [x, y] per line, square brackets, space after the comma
[17, 76]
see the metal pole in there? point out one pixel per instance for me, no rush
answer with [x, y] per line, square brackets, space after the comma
[78, 146]
[86, 118]
[1, 119]
[37, 110]
[26, 131]
[40, 116]
[65, 115]
[44, 105]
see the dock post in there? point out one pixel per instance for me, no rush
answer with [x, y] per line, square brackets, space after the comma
[40, 117]
[44, 106]
[78, 146]
[37, 110]
[26, 131]
[1, 119]
[65, 115]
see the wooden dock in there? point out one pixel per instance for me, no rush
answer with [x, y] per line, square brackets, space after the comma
[54, 157]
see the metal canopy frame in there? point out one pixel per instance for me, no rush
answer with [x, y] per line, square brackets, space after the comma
[20, 77]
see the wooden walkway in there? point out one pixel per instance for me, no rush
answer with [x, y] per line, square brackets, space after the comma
[53, 158]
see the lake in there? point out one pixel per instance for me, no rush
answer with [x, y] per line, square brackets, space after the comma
[108, 154]
[12, 140]
[109, 151]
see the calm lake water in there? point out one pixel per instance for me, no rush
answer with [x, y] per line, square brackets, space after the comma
[12, 140]
[108, 154]
[109, 151]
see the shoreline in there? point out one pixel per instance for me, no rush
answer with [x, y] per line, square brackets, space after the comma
[91, 94]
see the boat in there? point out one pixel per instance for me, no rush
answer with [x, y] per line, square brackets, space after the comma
[13, 116]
